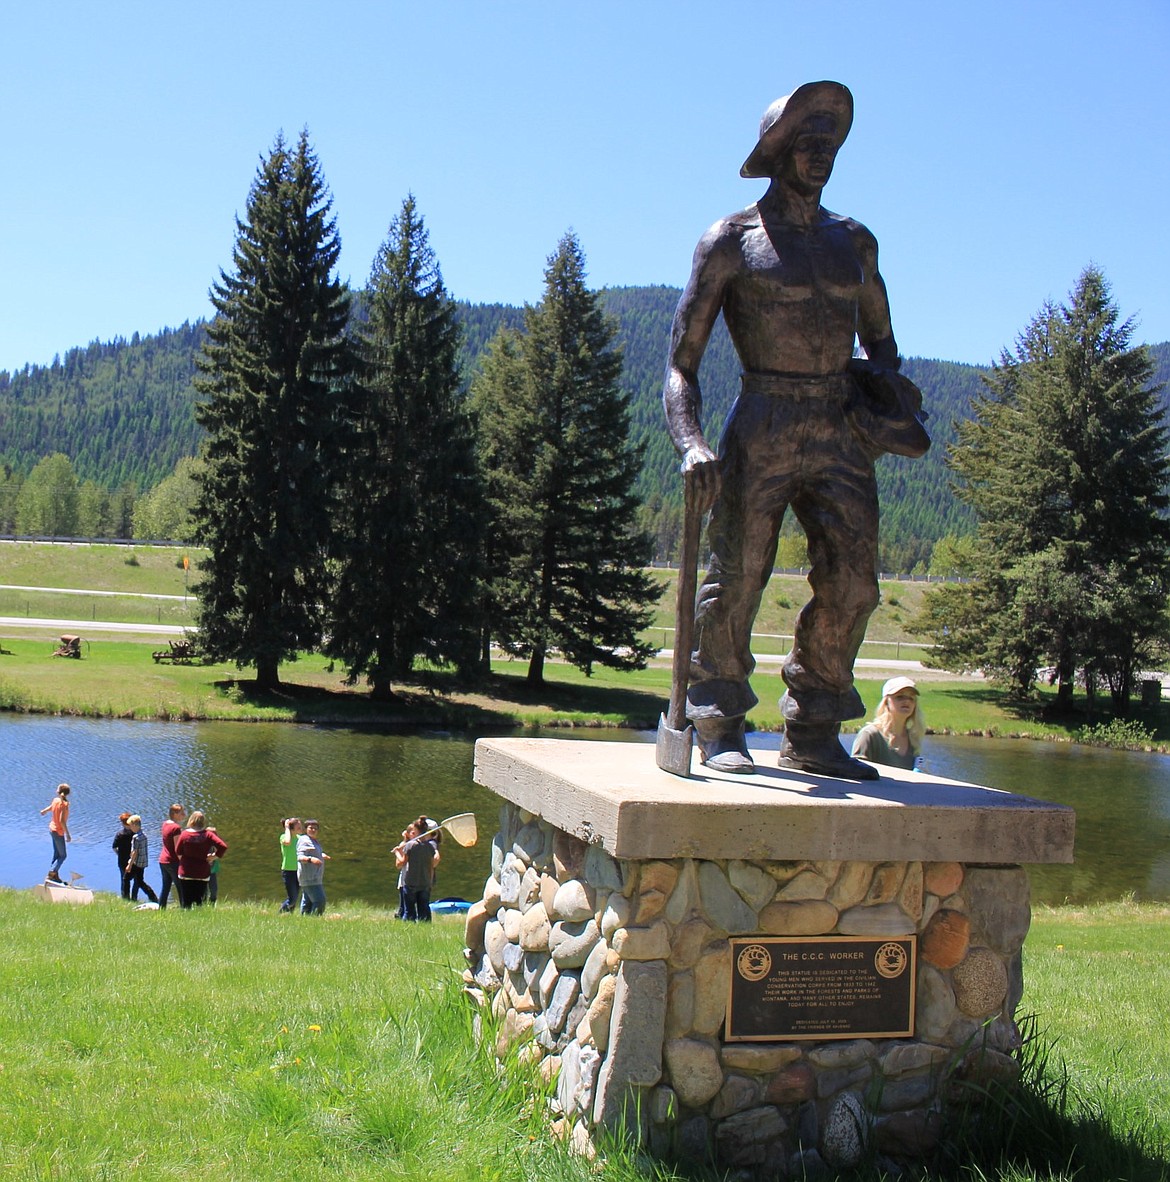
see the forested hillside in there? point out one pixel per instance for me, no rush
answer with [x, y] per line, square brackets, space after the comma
[123, 413]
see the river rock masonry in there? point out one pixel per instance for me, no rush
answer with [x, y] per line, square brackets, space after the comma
[603, 944]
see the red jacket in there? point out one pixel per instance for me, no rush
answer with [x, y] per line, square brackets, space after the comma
[170, 831]
[194, 848]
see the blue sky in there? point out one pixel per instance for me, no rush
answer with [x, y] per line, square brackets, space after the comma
[997, 149]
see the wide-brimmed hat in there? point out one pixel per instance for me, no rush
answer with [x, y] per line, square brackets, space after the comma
[896, 684]
[785, 115]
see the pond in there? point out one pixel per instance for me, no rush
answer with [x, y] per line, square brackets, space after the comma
[364, 786]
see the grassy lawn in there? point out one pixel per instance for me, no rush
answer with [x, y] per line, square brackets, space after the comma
[238, 1044]
[118, 678]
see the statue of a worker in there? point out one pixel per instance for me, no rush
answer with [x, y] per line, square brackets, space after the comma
[795, 283]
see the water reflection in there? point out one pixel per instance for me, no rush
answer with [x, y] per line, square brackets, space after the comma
[364, 787]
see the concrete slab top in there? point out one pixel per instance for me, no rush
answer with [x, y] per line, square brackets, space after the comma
[615, 795]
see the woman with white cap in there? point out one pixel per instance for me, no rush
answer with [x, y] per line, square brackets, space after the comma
[895, 735]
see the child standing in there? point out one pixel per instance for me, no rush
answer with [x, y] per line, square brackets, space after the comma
[58, 830]
[139, 860]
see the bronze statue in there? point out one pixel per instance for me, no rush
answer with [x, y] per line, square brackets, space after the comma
[795, 284]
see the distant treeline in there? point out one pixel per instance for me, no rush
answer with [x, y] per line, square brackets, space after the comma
[123, 412]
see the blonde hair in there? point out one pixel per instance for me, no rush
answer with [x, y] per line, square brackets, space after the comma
[133, 819]
[915, 727]
[197, 820]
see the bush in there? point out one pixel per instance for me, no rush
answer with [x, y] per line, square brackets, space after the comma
[1124, 734]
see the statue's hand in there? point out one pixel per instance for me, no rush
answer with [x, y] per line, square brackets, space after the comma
[700, 468]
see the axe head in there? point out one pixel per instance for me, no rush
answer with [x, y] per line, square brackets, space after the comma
[673, 748]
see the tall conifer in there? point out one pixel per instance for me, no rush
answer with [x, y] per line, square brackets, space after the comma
[408, 584]
[1065, 465]
[566, 556]
[272, 371]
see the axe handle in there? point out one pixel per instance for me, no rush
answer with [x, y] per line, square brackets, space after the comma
[684, 611]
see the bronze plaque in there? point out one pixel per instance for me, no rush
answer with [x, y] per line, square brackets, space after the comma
[785, 988]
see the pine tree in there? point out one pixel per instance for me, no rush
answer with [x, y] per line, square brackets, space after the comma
[408, 584]
[1065, 466]
[566, 556]
[273, 367]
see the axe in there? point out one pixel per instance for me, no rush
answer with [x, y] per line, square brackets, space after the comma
[676, 736]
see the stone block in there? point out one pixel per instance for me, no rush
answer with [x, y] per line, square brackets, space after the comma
[851, 885]
[745, 1138]
[635, 1039]
[936, 1008]
[808, 884]
[759, 1058]
[849, 1053]
[998, 902]
[689, 941]
[680, 1005]
[722, 906]
[946, 939]
[813, 917]
[574, 901]
[885, 883]
[534, 929]
[616, 914]
[942, 878]
[530, 844]
[568, 855]
[595, 968]
[511, 918]
[845, 1134]
[684, 899]
[495, 940]
[737, 1093]
[712, 975]
[792, 1085]
[474, 926]
[885, 919]
[755, 886]
[548, 892]
[694, 1070]
[648, 943]
[571, 943]
[980, 983]
[491, 894]
[564, 997]
[600, 1012]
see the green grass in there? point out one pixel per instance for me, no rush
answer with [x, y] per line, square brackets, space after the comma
[118, 679]
[144, 570]
[239, 1044]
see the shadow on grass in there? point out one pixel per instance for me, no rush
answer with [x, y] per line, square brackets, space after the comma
[439, 698]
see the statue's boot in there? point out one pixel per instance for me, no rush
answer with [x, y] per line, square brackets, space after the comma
[723, 746]
[815, 747]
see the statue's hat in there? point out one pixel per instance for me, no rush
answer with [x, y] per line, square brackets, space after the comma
[785, 115]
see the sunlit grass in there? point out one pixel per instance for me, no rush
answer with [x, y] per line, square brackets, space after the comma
[242, 1044]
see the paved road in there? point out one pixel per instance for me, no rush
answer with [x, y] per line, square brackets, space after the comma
[80, 627]
[84, 591]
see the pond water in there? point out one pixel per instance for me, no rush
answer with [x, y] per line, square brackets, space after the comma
[364, 786]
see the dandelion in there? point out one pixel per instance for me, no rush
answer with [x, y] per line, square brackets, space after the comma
[315, 1029]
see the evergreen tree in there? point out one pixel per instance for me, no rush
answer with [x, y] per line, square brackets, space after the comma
[1065, 467]
[408, 583]
[566, 554]
[272, 372]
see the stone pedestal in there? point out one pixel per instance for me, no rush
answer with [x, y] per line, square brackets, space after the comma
[602, 942]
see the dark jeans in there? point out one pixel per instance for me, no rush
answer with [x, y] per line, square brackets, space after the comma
[292, 890]
[417, 901]
[313, 902]
[124, 875]
[60, 853]
[134, 882]
[170, 878]
[192, 892]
